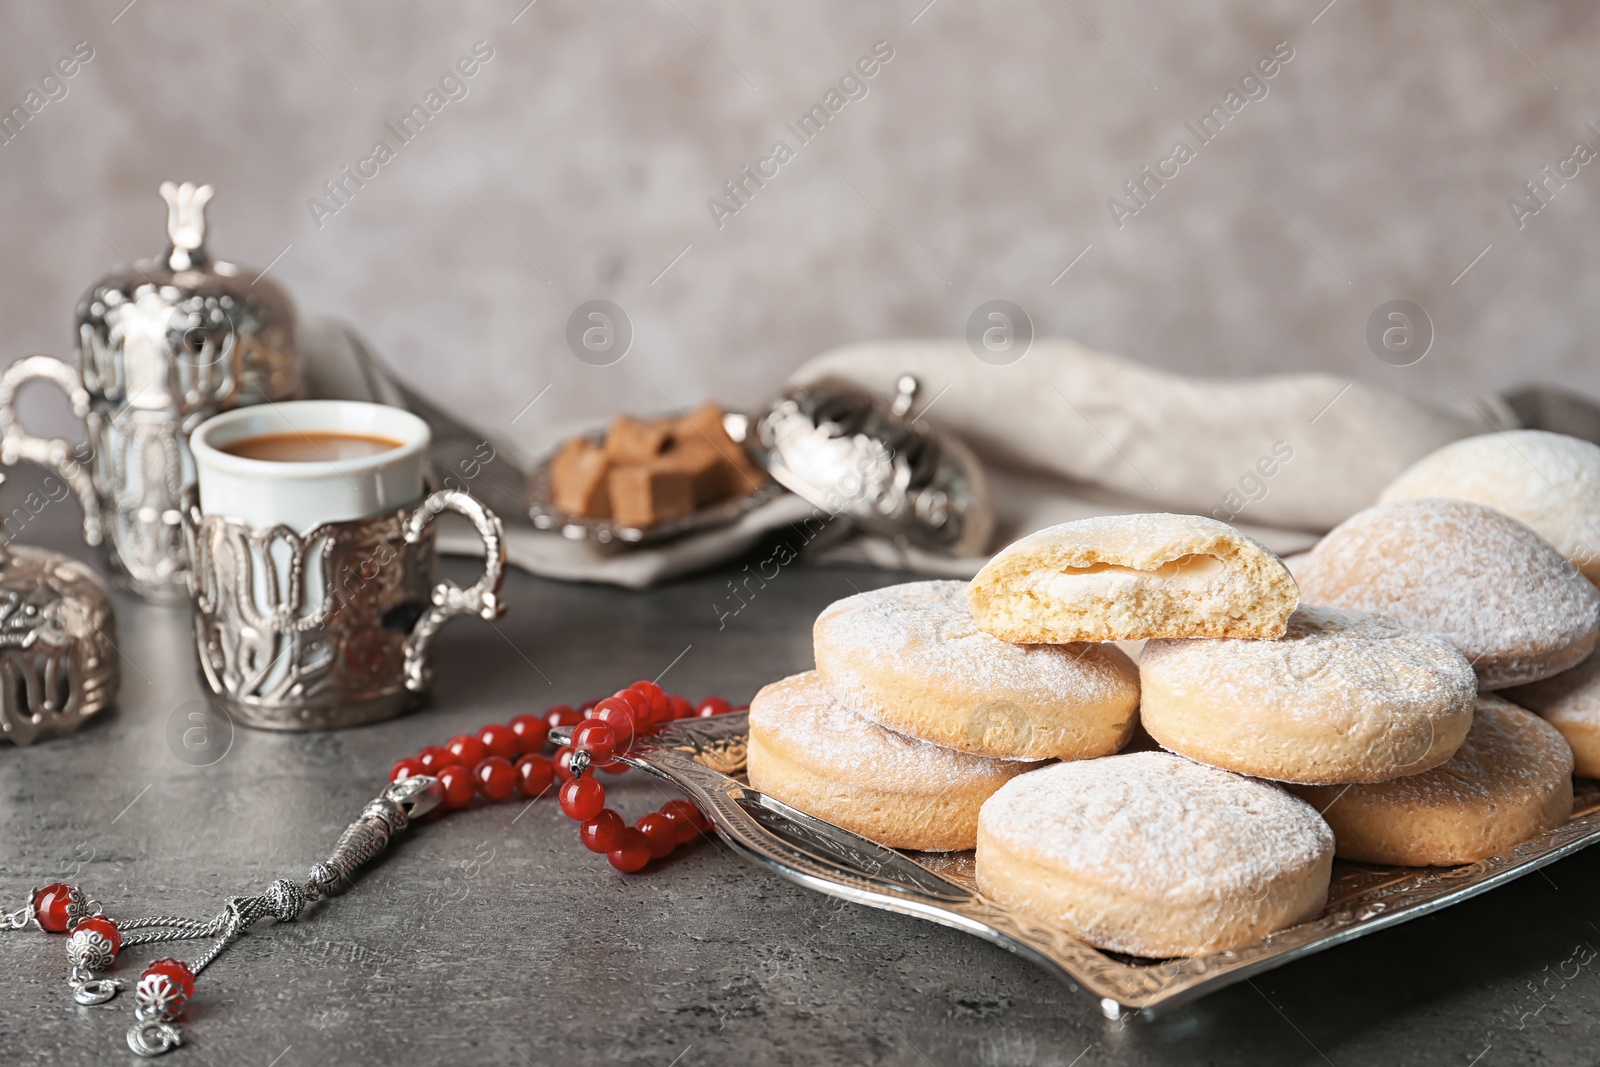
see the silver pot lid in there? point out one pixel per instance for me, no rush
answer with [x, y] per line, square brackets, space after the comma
[863, 457]
[57, 644]
[184, 333]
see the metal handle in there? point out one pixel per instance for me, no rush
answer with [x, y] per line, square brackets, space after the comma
[481, 599]
[55, 454]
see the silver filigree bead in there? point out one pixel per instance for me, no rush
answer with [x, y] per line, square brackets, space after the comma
[91, 950]
[285, 898]
[159, 997]
[325, 875]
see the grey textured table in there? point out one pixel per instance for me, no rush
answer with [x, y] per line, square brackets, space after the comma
[495, 938]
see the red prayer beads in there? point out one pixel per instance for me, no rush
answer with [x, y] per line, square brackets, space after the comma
[56, 905]
[633, 853]
[501, 741]
[106, 928]
[583, 798]
[500, 762]
[174, 971]
[496, 778]
[532, 732]
[603, 832]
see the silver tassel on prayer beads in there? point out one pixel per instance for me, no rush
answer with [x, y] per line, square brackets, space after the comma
[162, 995]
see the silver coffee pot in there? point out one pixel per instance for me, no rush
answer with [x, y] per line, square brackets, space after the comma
[162, 346]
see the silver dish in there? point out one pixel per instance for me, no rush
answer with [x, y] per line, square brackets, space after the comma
[855, 454]
[706, 757]
[546, 516]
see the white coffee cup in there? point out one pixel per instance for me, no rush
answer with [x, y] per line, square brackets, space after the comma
[301, 495]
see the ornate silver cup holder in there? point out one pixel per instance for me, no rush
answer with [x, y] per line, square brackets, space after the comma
[330, 627]
[706, 758]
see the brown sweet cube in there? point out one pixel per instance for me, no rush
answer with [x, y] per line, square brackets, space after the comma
[578, 479]
[632, 440]
[704, 426]
[643, 494]
[711, 475]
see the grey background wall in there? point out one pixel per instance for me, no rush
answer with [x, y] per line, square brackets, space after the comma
[979, 164]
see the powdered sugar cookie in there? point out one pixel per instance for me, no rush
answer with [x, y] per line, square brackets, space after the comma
[911, 658]
[1548, 480]
[813, 752]
[1498, 591]
[1571, 703]
[1343, 696]
[1125, 577]
[1509, 781]
[1150, 854]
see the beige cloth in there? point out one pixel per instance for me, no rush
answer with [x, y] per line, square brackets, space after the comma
[1101, 423]
[1065, 433]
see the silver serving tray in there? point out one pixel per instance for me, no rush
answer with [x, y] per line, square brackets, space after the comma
[546, 516]
[703, 757]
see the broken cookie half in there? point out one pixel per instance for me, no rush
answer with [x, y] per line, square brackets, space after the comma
[1126, 577]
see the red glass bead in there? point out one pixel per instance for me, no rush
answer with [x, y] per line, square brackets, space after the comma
[617, 714]
[649, 689]
[595, 737]
[562, 715]
[562, 763]
[583, 709]
[496, 778]
[459, 787]
[103, 926]
[603, 832]
[713, 706]
[435, 759]
[660, 832]
[660, 703]
[500, 741]
[534, 774]
[407, 768]
[532, 732]
[582, 798]
[614, 766]
[54, 906]
[686, 810]
[467, 749]
[640, 704]
[633, 853]
[683, 827]
[681, 708]
[176, 971]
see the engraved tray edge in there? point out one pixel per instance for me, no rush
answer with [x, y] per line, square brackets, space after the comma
[701, 756]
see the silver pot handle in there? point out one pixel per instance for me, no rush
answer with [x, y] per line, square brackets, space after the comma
[481, 599]
[54, 454]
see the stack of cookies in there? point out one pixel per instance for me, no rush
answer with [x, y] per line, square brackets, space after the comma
[1348, 712]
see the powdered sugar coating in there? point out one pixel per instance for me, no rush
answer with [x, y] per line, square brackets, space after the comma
[1571, 703]
[800, 716]
[1144, 541]
[1510, 780]
[912, 658]
[1343, 696]
[1548, 480]
[1495, 589]
[1507, 751]
[1158, 825]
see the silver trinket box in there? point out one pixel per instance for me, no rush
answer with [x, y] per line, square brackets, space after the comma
[163, 345]
[58, 657]
[865, 458]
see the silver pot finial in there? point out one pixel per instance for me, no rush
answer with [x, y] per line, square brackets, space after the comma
[186, 223]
